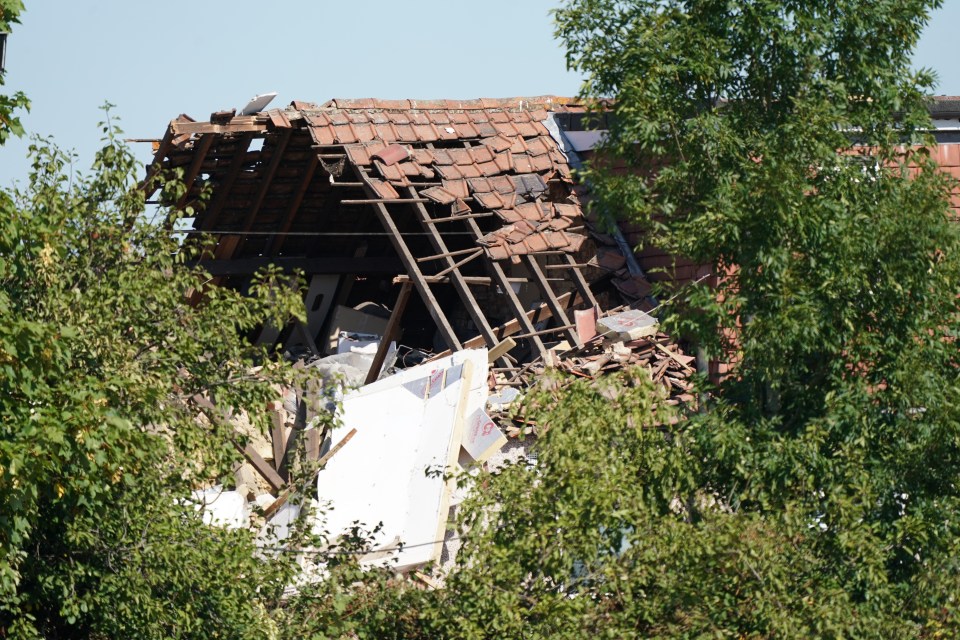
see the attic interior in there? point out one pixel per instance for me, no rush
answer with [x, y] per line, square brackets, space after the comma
[462, 216]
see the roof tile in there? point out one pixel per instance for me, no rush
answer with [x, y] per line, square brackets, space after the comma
[423, 156]
[386, 132]
[485, 129]
[457, 187]
[365, 132]
[529, 211]
[405, 132]
[538, 146]
[393, 173]
[357, 117]
[508, 215]
[448, 132]
[488, 168]
[502, 185]
[460, 156]
[505, 128]
[518, 145]
[480, 185]
[567, 210]
[522, 163]
[538, 115]
[504, 162]
[393, 104]
[318, 119]
[469, 170]
[489, 200]
[499, 116]
[448, 172]
[392, 154]
[439, 117]
[426, 132]
[497, 143]
[378, 117]
[478, 116]
[322, 135]
[399, 117]
[358, 154]
[458, 117]
[442, 156]
[526, 129]
[344, 134]
[481, 154]
[466, 130]
[439, 195]
[383, 189]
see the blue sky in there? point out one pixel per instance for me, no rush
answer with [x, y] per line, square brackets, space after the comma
[155, 60]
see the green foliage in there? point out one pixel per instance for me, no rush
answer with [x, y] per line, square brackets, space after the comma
[101, 354]
[10, 11]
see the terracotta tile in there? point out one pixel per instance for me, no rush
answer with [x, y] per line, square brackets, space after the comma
[508, 215]
[541, 163]
[410, 169]
[518, 145]
[567, 210]
[497, 143]
[480, 185]
[429, 104]
[448, 172]
[478, 117]
[458, 117]
[504, 162]
[418, 117]
[520, 116]
[469, 170]
[538, 146]
[460, 156]
[491, 103]
[439, 117]
[498, 116]
[422, 156]
[497, 252]
[364, 132]
[399, 117]
[556, 239]
[318, 119]
[489, 200]
[447, 132]
[633, 287]
[392, 154]
[343, 133]
[426, 132]
[357, 117]
[457, 187]
[526, 129]
[392, 104]
[610, 259]
[502, 185]
[516, 236]
[356, 103]
[392, 173]
[559, 224]
[460, 207]
[538, 115]
[466, 130]
[358, 154]
[322, 135]
[509, 200]
[439, 195]
[384, 189]
[485, 129]
[338, 117]
[378, 117]
[462, 104]
[385, 132]
[536, 243]
[488, 168]
[541, 128]
[576, 241]
[427, 173]
[405, 132]
[481, 154]
[505, 128]
[522, 163]
[374, 147]
[442, 156]
[529, 211]
[528, 184]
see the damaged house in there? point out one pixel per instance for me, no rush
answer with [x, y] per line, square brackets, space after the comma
[425, 229]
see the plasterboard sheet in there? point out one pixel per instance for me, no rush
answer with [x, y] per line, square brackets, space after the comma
[407, 426]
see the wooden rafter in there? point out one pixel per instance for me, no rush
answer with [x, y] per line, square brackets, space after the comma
[276, 242]
[550, 298]
[223, 190]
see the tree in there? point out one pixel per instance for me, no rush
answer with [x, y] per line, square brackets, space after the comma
[10, 11]
[102, 355]
[816, 493]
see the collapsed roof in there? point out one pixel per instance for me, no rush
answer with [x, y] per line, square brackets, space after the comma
[471, 203]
